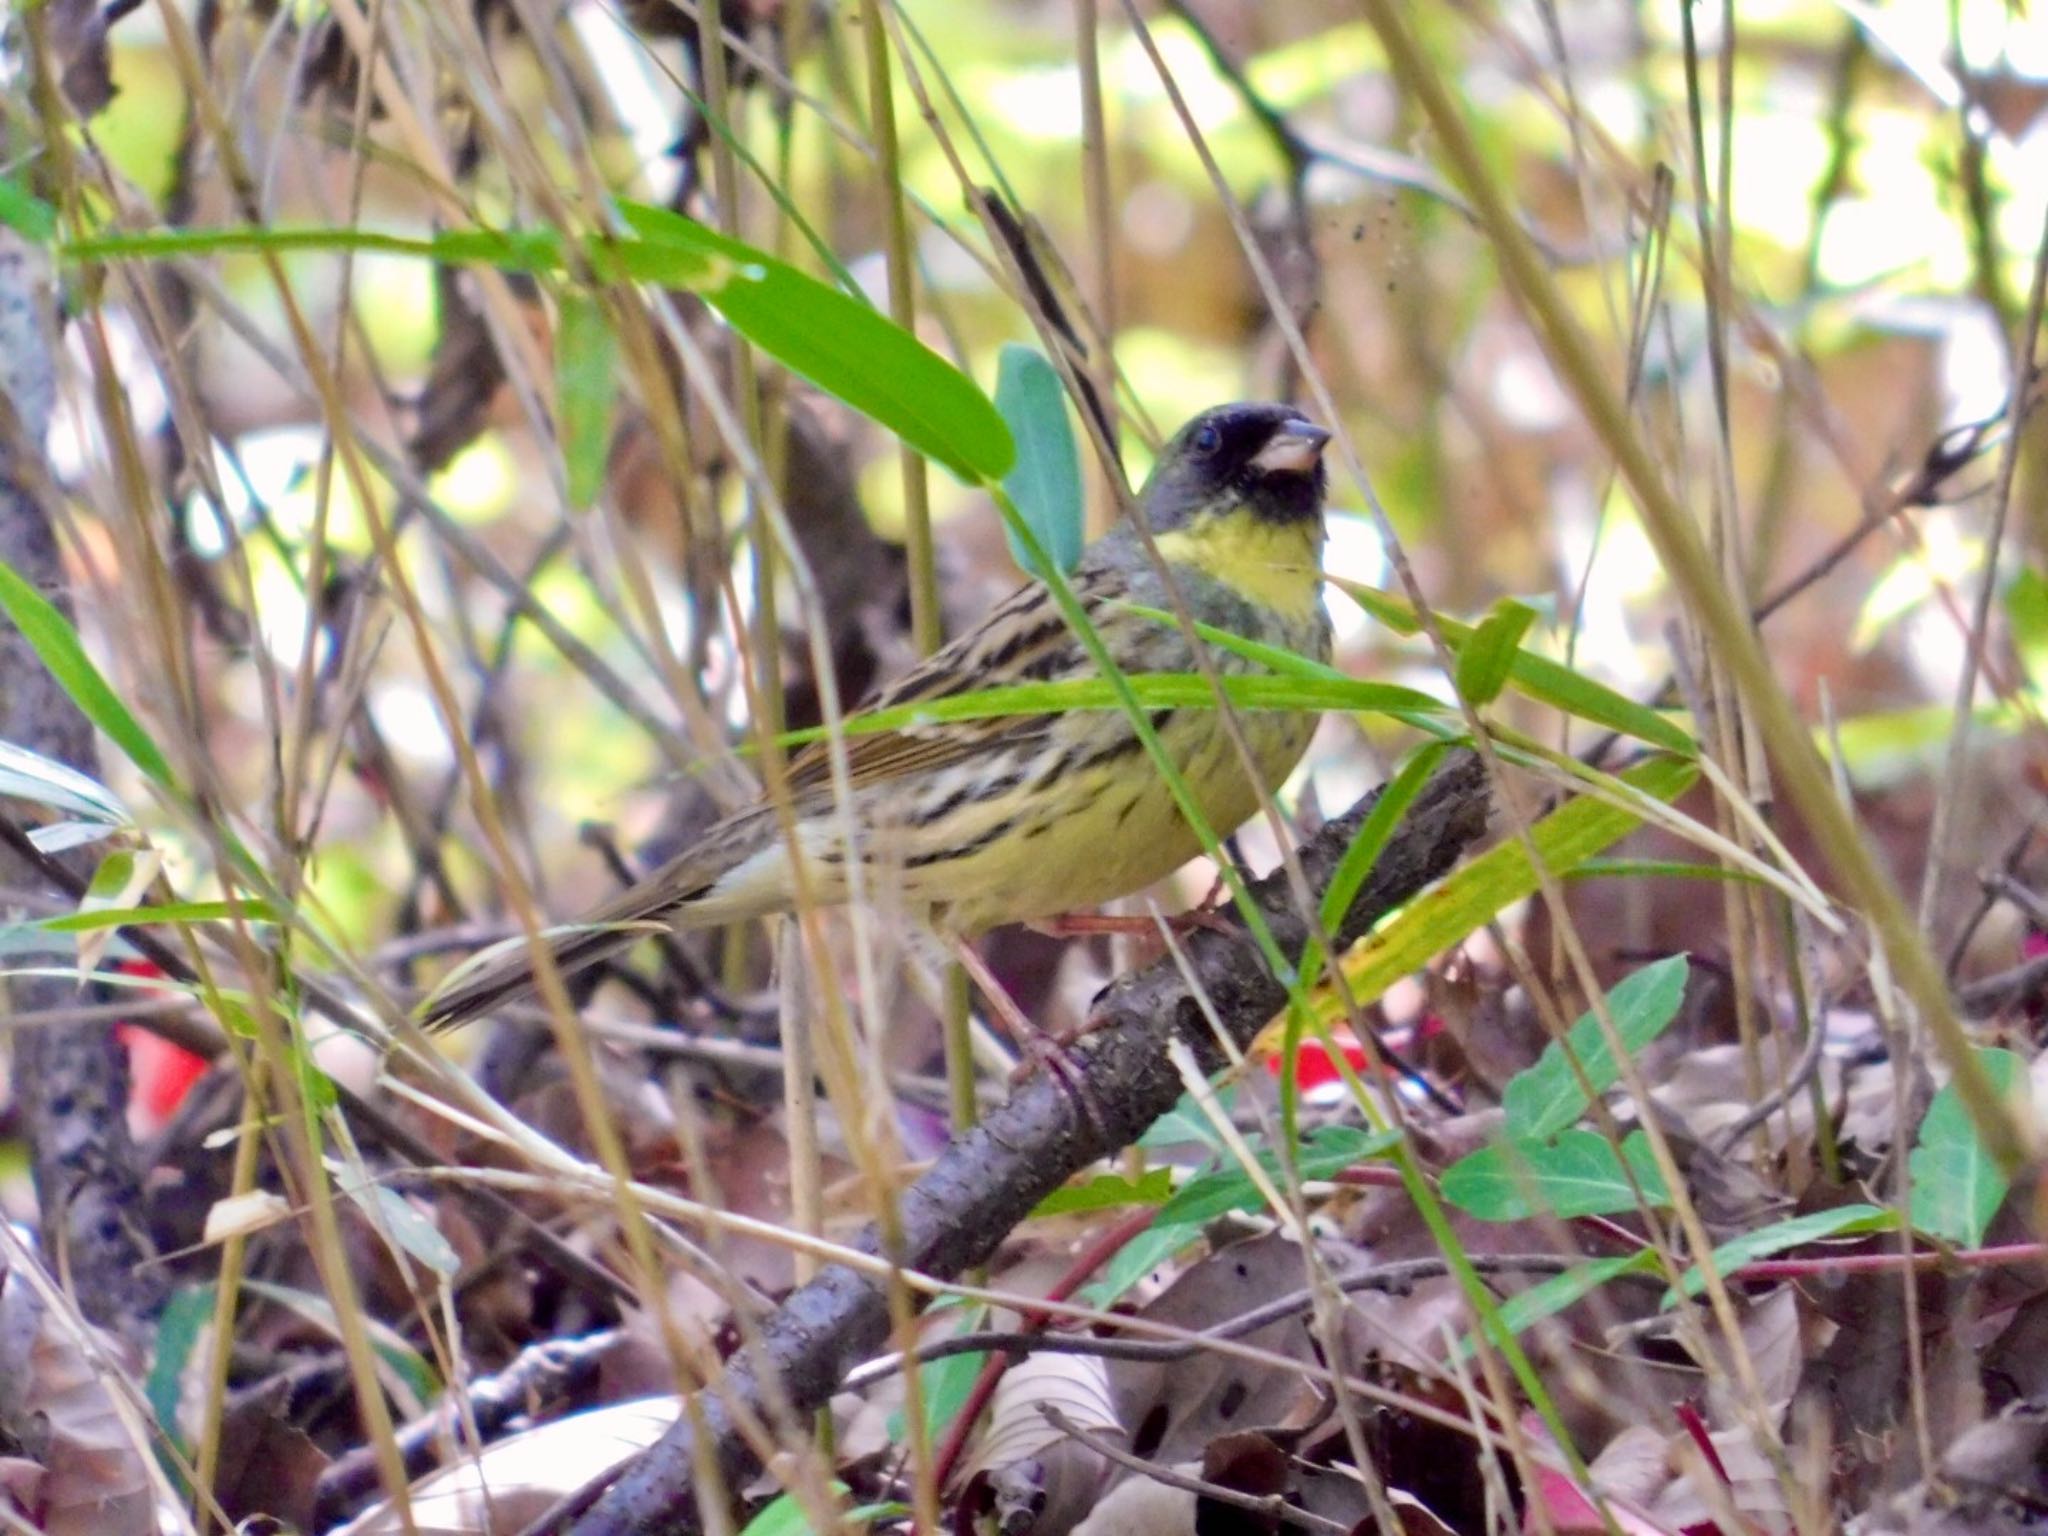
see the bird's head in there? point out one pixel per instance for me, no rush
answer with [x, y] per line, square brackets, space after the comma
[1261, 458]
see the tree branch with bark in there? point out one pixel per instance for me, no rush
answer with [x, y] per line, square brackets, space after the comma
[990, 1178]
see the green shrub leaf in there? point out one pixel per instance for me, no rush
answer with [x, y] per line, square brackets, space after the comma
[841, 345]
[837, 342]
[1540, 678]
[1579, 1174]
[1545, 1098]
[1488, 655]
[1842, 1221]
[1108, 1191]
[1523, 1310]
[25, 213]
[586, 385]
[1958, 1185]
[1329, 1150]
[1045, 484]
[1450, 911]
[56, 643]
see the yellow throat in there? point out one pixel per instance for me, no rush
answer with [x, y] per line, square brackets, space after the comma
[1270, 564]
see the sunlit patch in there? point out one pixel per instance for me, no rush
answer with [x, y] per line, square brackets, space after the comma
[1041, 105]
[479, 483]
[2025, 39]
[2019, 168]
[1935, 647]
[1616, 106]
[1780, 157]
[281, 610]
[1354, 552]
[1526, 391]
[646, 100]
[75, 439]
[1176, 377]
[1947, 557]
[1987, 31]
[571, 601]
[394, 297]
[1211, 100]
[263, 469]
[272, 473]
[1899, 223]
[1314, 66]
[1976, 367]
[409, 720]
[1628, 560]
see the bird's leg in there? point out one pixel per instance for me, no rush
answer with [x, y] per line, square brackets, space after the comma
[1206, 913]
[1037, 1047]
[1082, 925]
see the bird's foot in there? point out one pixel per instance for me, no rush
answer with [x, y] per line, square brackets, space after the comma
[1037, 1048]
[1082, 925]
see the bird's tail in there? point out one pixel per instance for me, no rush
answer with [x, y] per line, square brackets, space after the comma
[504, 973]
[685, 892]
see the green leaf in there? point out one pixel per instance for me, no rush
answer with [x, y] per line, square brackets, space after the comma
[1487, 657]
[1365, 849]
[1451, 911]
[1046, 482]
[1137, 1259]
[1579, 1174]
[1730, 1256]
[783, 1515]
[1107, 1191]
[57, 837]
[1185, 1125]
[1540, 678]
[56, 644]
[179, 1329]
[403, 1224]
[1273, 657]
[1155, 690]
[839, 343]
[1958, 1185]
[26, 775]
[165, 912]
[1525, 1309]
[945, 1383]
[1662, 869]
[842, 346]
[1887, 747]
[2026, 612]
[392, 1348]
[586, 385]
[25, 213]
[1543, 1099]
[1329, 1150]
[315, 1086]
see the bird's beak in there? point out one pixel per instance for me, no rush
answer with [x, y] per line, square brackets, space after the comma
[1293, 449]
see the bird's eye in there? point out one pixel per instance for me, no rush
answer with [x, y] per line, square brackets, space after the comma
[1208, 439]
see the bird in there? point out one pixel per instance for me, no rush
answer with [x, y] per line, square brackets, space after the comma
[969, 824]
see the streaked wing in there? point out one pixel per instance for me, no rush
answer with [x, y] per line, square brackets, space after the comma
[1024, 640]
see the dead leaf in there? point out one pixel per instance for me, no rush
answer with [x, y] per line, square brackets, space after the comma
[1173, 1410]
[508, 1485]
[1138, 1506]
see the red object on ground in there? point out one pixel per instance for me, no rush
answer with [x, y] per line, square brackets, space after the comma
[1313, 1065]
[160, 1074]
